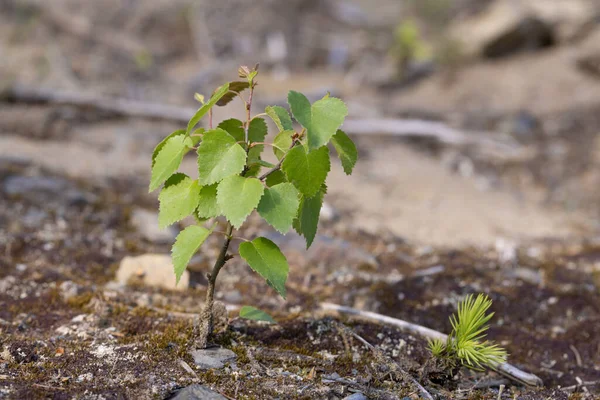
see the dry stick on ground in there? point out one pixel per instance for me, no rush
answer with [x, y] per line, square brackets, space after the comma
[505, 369]
[131, 108]
[382, 358]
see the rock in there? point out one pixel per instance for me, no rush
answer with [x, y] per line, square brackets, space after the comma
[69, 289]
[506, 27]
[212, 358]
[197, 392]
[356, 396]
[151, 270]
[146, 222]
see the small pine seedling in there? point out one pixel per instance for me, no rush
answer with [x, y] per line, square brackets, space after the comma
[231, 182]
[465, 343]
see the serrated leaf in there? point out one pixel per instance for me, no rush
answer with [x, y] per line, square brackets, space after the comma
[235, 128]
[177, 200]
[237, 196]
[219, 156]
[175, 179]
[275, 178]
[168, 159]
[268, 261]
[234, 88]
[321, 120]
[207, 202]
[282, 143]
[220, 92]
[346, 150]
[279, 206]
[307, 222]
[186, 245]
[307, 171]
[254, 314]
[159, 146]
[280, 117]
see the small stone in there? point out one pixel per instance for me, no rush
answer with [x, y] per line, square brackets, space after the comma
[197, 392]
[212, 358]
[356, 396]
[151, 270]
[69, 289]
[146, 222]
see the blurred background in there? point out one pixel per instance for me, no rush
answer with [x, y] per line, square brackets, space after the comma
[477, 123]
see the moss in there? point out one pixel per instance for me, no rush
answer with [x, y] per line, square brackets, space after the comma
[81, 301]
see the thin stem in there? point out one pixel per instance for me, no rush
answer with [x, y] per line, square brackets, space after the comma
[248, 109]
[206, 317]
[210, 124]
[277, 167]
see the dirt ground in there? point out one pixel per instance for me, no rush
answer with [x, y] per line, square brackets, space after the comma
[418, 226]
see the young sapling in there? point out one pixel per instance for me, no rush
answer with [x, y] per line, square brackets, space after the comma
[233, 180]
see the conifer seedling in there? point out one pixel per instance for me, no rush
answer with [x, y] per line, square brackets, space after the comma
[465, 344]
[233, 181]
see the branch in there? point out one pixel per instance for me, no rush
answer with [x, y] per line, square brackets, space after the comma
[131, 108]
[506, 369]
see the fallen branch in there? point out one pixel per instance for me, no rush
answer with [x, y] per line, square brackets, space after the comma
[384, 359]
[131, 108]
[506, 369]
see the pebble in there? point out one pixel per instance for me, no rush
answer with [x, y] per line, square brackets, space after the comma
[197, 392]
[213, 357]
[154, 270]
[356, 396]
[69, 289]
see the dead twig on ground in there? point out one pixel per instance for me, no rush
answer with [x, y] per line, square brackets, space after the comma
[381, 357]
[506, 369]
[409, 128]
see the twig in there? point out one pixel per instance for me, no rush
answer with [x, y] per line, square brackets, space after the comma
[506, 369]
[379, 354]
[577, 355]
[117, 106]
[130, 108]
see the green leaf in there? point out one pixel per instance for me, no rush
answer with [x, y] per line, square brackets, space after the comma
[282, 143]
[257, 131]
[177, 200]
[321, 120]
[248, 312]
[346, 150]
[268, 261]
[280, 117]
[207, 202]
[234, 88]
[237, 197]
[235, 128]
[275, 178]
[220, 92]
[307, 222]
[279, 206]
[219, 156]
[168, 159]
[307, 171]
[159, 146]
[186, 245]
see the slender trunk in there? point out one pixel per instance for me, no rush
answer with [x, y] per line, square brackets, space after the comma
[206, 316]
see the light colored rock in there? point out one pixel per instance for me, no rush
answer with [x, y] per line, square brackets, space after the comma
[146, 222]
[197, 392]
[151, 270]
[212, 358]
[517, 25]
[69, 289]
